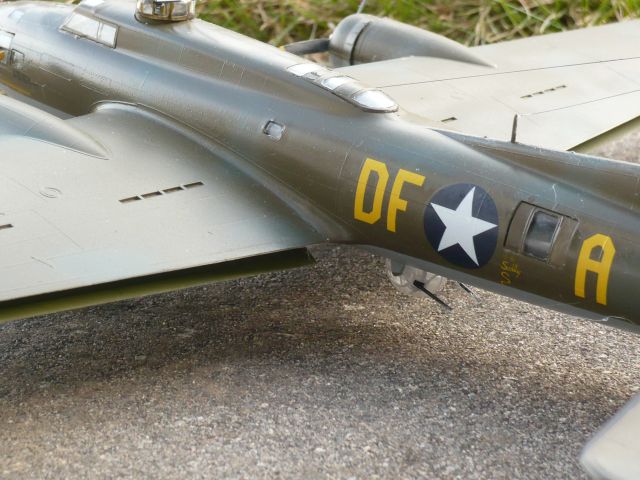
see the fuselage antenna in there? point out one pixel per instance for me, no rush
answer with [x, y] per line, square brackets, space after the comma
[363, 4]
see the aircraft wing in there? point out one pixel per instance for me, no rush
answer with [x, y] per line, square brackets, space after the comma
[116, 204]
[568, 88]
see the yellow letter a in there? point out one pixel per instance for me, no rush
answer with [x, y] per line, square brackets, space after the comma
[601, 267]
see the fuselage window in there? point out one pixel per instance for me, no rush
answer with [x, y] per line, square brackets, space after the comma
[375, 100]
[5, 47]
[541, 234]
[345, 87]
[17, 59]
[16, 15]
[108, 35]
[332, 83]
[92, 29]
[83, 26]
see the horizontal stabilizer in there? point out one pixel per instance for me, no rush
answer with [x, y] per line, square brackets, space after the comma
[614, 453]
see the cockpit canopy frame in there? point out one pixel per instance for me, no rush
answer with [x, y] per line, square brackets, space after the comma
[84, 26]
[348, 88]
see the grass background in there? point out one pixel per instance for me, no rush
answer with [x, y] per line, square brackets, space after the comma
[472, 22]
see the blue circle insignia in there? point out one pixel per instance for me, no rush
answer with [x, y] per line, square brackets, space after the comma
[461, 223]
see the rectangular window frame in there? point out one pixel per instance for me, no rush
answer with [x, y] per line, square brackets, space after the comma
[521, 224]
[110, 40]
[17, 59]
[6, 41]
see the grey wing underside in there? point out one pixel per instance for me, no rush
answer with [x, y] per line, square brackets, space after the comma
[567, 88]
[114, 205]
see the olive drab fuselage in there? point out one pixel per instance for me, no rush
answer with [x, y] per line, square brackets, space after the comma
[448, 204]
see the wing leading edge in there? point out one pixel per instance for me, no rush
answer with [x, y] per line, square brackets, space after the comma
[158, 212]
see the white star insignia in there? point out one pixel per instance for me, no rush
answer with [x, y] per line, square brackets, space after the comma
[462, 226]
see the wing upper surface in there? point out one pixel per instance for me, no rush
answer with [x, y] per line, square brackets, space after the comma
[567, 88]
[157, 203]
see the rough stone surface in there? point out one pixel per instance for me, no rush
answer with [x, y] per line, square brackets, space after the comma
[322, 372]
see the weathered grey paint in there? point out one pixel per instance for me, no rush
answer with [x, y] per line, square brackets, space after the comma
[219, 89]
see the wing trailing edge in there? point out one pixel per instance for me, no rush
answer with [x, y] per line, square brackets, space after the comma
[135, 287]
[608, 137]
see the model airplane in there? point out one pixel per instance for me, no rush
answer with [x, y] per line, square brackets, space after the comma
[145, 151]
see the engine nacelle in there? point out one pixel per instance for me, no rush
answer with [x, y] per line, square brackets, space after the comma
[365, 38]
[403, 277]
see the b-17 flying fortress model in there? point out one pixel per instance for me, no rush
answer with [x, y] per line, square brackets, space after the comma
[145, 150]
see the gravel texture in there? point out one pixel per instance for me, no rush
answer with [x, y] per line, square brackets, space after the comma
[321, 372]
